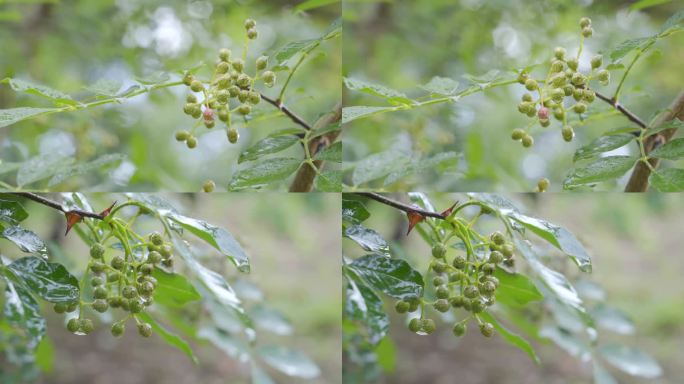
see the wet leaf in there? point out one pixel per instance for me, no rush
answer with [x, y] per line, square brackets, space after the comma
[232, 346]
[26, 240]
[353, 211]
[350, 114]
[567, 341]
[367, 238]
[516, 289]
[601, 375]
[41, 167]
[259, 376]
[50, 281]
[376, 90]
[289, 362]
[168, 336]
[22, 311]
[440, 162]
[667, 180]
[603, 169]
[271, 320]
[329, 181]
[363, 305]
[602, 144]
[65, 173]
[14, 115]
[394, 277]
[267, 146]
[672, 124]
[511, 337]
[173, 290]
[628, 46]
[56, 96]
[331, 153]
[263, 173]
[12, 212]
[631, 361]
[105, 87]
[443, 86]
[378, 165]
[671, 150]
[612, 319]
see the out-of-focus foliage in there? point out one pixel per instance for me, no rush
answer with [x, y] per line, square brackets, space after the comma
[78, 46]
[466, 144]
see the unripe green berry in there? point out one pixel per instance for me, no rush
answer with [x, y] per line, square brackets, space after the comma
[568, 90]
[222, 67]
[488, 268]
[100, 292]
[467, 304]
[487, 329]
[250, 23]
[587, 32]
[243, 80]
[144, 329]
[413, 304]
[526, 97]
[118, 329]
[238, 65]
[442, 292]
[543, 184]
[557, 95]
[182, 135]
[579, 107]
[459, 329]
[556, 66]
[154, 257]
[568, 133]
[558, 80]
[584, 22]
[496, 257]
[497, 238]
[438, 250]
[97, 251]
[522, 77]
[477, 306]
[223, 82]
[578, 94]
[196, 86]
[96, 281]
[578, 79]
[118, 262]
[86, 326]
[196, 111]
[573, 63]
[459, 262]
[191, 142]
[456, 301]
[73, 325]
[261, 63]
[223, 114]
[604, 75]
[114, 301]
[243, 95]
[233, 90]
[269, 78]
[517, 134]
[427, 326]
[224, 54]
[222, 96]
[208, 186]
[145, 288]
[531, 84]
[167, 263]
[72, 306]
[488, 287]
[414, 325]
[146, 269]
[100, 305]
[59, 308]
[596, 61]
[441, 305]
[559, 53]
[437, 281]
[508, 249]
[135, 306]
[252, 33]
[589, 96]
[191, 98]
[401, 306]
[558, 113]
[244, 109]
[188, 79]
[209, 123]
[128, 292]
[254, 98]
[439, 267]
[470, 291]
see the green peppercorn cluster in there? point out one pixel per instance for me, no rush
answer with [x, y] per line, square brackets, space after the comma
[462, 283]
[230, 90]
[564, 89]
[121, 282]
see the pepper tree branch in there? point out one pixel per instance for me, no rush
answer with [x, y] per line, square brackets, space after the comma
[638, 181]
[55, 205]
[629, 114]
[401, 206]
[288, 112]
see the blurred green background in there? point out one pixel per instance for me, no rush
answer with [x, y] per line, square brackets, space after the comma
[294, 246]
[68, 45]
[635, 242]
[403, 44]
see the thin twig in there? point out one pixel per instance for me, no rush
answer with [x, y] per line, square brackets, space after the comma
[293, 116]
[401, 206]
[59, 207]
[629, 114]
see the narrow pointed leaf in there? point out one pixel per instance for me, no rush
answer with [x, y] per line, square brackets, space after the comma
[267, 146]
[667, 180]
[394, 277]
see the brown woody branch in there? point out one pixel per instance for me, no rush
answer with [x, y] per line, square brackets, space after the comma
[55, 205]
[629, 114]
[303, 181]
[288, 112]
[638, 181]
[401, 206]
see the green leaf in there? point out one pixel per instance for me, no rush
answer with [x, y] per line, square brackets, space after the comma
[667, 180]
[259, 376]
[14, 115]
[642, 4]
[313, 4]
[363, 305]
[56, 96]
[349, 114]
[441, 86]
[559, 237]
[511, 337]
[63, 174]
[631, 361]
[289, 362]
[567, 341]
[267, 146]
[217, 237]
[329, 181]
[602, 144]
[50, 281]
[173, 290]
[331, 153]
[154, 79]
[377, 90]
[672, 150]
[168, 336]
[334, 29]
[42, 167]
[612, 319]
[601, 375]
[443, 159]
[263, 173]
[673, 21]
[672, 124]
[628, 46]
[271, 320]
[45, 355]
[386, 351]
[22, 311]
[394, 277]
[12, 212]
[353, 211]
[232, 346]
[327, 129]
[26, 240]
[378, 165]
[287, 131]
[367, 238]
[105, 87]
[516, 289]
[287, 51]
[485, 80]
[603, 169]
